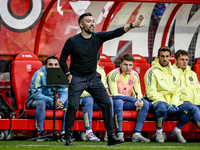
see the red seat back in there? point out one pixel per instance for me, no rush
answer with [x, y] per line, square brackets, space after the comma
[172, 59]
[196, 68]
[23, 67]
[141, 66]
[68, 60]
[106, 63]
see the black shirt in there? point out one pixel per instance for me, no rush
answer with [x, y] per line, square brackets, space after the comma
[84, 52]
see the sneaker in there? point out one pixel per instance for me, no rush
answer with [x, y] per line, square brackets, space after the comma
[40, 136]
[159, 137]
[178, 135]
[106, 138]
[114, 140]
[121, 136]
[139, 138]
[68, 142]
[92, 137]
[61, 138]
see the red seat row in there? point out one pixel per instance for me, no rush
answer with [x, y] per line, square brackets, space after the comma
[22, 70]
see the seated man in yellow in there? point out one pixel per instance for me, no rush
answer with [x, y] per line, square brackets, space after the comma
[163, 85]
[124, 84]
[190, 87]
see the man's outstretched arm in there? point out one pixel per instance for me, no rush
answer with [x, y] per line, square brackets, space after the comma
[136, 24]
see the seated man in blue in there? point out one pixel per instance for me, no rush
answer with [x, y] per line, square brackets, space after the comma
[42, 98]
[87, 105]
[124, 85]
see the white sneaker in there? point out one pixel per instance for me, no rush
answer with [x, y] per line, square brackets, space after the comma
[139, 138]
[159, 137]
[105, 138]
[92, 137]
[178, 135]
[121, 136]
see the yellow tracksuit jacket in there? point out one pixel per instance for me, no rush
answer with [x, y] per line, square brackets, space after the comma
[163, 84]
[190, 87]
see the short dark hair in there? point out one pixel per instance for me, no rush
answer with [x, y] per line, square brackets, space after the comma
[181, 52]
[82, 16]
[127, 57]
[163, 49]
[50, 57]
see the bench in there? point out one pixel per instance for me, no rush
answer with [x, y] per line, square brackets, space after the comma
[22, 70]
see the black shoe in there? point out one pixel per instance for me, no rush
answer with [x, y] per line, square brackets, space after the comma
[114, 140]
[61, 137]
[68, 142]
[41, 135]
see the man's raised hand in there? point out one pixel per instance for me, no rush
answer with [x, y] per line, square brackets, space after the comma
[138, 21]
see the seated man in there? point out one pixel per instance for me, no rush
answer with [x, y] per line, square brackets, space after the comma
[124, 84]
[162, 82]
[87, 105]
[42, 98]
[190, 87]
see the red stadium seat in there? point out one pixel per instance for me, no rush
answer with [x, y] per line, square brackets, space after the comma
[68, 60]
[172, 59]
[141, 66]
[23, 67]
[106, 63]
[196, 68]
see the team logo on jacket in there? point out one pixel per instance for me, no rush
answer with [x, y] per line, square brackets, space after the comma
[174, 79]
[130, 82]
[191, 79]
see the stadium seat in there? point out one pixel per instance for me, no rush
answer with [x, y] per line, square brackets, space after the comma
[68, 60]
[140, 66]
[22, 69]
[196, 68]
[106, 63]
[172, 59]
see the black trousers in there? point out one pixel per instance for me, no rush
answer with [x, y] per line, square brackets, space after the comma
[95, 87]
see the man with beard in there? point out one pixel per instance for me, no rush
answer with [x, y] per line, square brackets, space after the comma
[84, 49]
[163, 85]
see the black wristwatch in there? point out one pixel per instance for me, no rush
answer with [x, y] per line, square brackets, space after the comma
[131, 25]
[68, 74]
